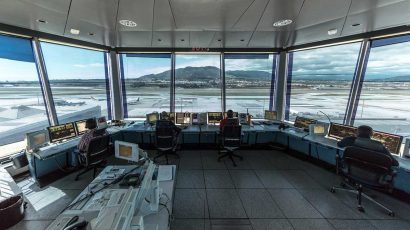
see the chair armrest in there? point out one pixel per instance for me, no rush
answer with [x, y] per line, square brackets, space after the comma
[338, 163]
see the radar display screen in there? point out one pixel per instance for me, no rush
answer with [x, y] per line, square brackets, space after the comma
[152, 118]
[214, 117]
[235, 115]
[61, 132]
[340, 131]
[303, 122]
[391, 141]
[170, 116]
[183, 118]
[80, 127]
[270, 115]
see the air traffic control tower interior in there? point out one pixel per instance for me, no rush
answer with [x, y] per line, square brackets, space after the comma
[205, 114]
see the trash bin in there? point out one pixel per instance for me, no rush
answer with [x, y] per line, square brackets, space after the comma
[19, 160]
[11, 211]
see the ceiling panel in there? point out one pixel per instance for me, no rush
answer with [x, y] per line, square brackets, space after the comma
[377, 17]
[182, 39]
[359, 6]
[270, 39]
[207, 14]
[249, 20]
[140, 11]
[278, 10]
[313, 13]
[25, 13]
[163, 39]
[200, 38]
[163, 18]
[134, 39]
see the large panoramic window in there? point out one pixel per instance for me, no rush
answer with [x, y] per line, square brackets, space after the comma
[319, 81]
[198, 83]
[78, 80]
[21, 100]
[147, 82]
[248, 81]
[385, 96]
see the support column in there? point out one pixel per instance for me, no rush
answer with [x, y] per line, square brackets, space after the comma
[45, 84]
[114, 71]
[223, 84]
[281, 76]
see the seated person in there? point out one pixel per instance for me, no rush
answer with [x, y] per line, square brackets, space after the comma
[92, 132]
[229, 118]
[166, 122]
[363, 140]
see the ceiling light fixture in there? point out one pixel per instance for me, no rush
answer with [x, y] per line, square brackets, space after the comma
[283, 22]
[75, 31]
[42, 21]
[332, 32]
[356, 24]
[159, 39]
[242, 40]
[219, 40]
[128, 23]
[91, 34]
[182, 40]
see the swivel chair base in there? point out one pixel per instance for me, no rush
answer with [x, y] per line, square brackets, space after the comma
[231, 155]
[166, 153]
[87, 169]
[358, 190]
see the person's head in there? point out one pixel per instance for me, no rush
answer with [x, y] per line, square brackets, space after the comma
[229, 114]
[364, 131]
[164, 115]
[91, 123]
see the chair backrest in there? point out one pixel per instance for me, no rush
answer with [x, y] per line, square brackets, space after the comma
[366, 166]
[370, 144]
[164, 134]
[97, 149]
[232, 133]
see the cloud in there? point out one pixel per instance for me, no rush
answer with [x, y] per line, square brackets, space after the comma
[89, 65]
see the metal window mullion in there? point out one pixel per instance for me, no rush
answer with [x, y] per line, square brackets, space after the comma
[357, 83]
[280, 92]
[45, 84]
[223, 83]
[172, 88]
[116, 92]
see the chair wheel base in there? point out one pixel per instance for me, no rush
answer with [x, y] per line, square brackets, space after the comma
[360, 208]
[332, 190]
[392, 214]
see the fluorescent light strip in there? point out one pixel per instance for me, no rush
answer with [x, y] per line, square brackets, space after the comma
[70, 44]
[390, 35]
[14, 34]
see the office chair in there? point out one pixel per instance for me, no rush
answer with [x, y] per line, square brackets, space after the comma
[360, 167]
[231, 141]
[95, 155]
[166, 139]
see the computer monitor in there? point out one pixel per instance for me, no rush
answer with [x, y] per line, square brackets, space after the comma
[152, 118]
[102, 122]
[340, 131]
[243, 119]
[80, 127]
[126, 151]
[303, 122]
[61, 132]
[36, 139]
[270, 115]
[203, 117]
[318, 129]
[195, 118]
[214, 117]
[235, 115]
[170, 116]
[183, 118]
[391, 141]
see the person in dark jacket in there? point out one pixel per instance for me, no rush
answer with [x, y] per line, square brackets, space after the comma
[363, 140]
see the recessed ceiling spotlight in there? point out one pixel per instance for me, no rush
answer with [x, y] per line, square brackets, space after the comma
[283, 22]
[91, 34]
[356, 24]
[332, 32]
[182, 40]
[75, 32]
[219, 40]
[128, 23]
[242, 40]
[159, 39]
[42, 21]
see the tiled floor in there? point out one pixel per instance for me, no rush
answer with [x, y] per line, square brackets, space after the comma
[268, 190]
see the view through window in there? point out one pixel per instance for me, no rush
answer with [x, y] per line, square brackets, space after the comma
[385, 97]
[248, 80]
[147, 80]
[22, 107]
[320, 80]
[198, 83]
[78, 82]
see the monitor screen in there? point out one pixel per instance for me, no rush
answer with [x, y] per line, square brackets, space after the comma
[152, 118]
[195, 118]
[391, 141]
[235, 115]
[126, 151]
[303, 122]
[170, 116]
[340, 131]
[270, 115]
[317, 129]
[80, 127]
[183, 118]
[102, 122]
[214, 117]
[36, 139]
[61, 132]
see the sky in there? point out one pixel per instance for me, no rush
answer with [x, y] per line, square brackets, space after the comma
[64, 62]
